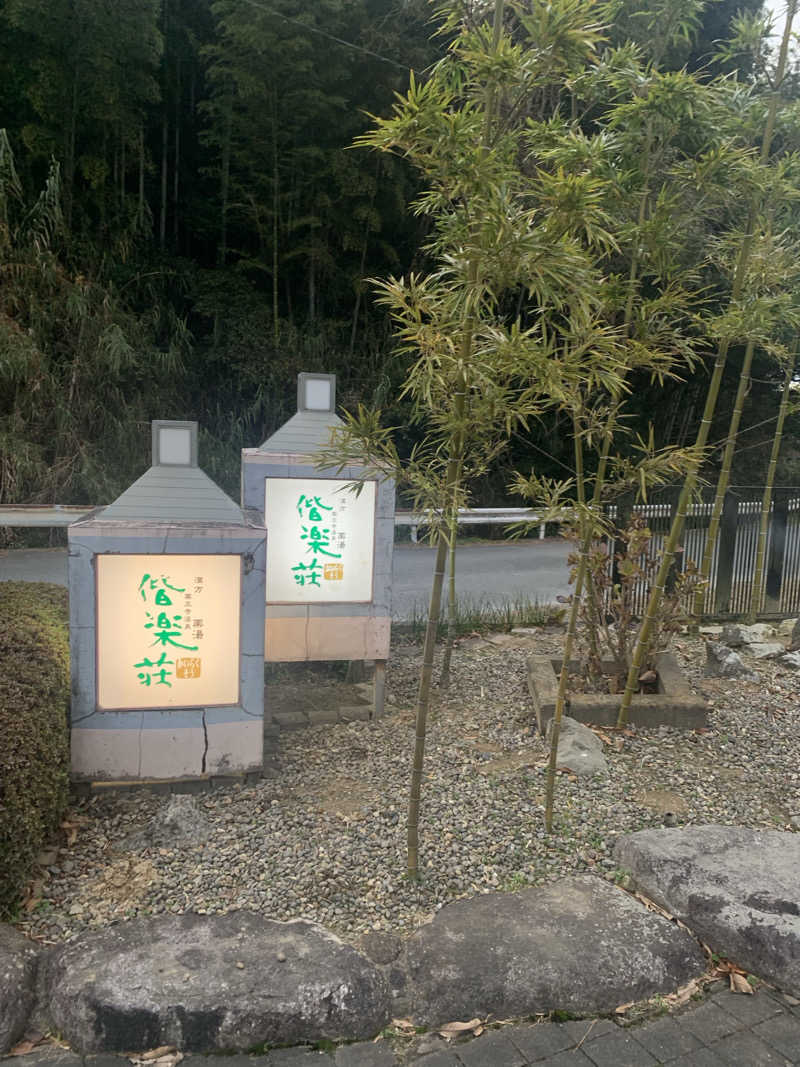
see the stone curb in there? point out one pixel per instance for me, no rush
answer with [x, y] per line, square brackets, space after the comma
[235, 981]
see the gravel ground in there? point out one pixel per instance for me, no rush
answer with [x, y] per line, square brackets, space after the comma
[325, 840]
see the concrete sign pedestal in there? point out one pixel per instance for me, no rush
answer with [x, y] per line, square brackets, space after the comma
[329, 582]
[167, 626]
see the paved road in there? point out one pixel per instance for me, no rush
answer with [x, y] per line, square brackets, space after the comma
[726, 1030]
[500, 572]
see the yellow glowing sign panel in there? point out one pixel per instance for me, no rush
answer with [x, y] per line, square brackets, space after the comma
[321, 541]
[167, 631]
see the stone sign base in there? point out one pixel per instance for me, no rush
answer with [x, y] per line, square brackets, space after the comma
[673, 705]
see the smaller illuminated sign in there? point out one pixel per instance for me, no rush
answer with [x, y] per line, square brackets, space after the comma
[321, 541]
[167, 631]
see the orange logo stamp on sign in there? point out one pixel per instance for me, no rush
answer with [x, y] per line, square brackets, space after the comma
[188, 667]
[333, 572]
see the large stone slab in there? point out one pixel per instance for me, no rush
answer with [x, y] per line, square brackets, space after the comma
[737, 889]
[18, 961]
[211, 983]
[579, 945]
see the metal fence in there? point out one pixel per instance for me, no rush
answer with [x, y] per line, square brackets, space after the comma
[732, 574]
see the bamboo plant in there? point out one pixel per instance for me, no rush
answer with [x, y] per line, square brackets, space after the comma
[476, 375]
[737, 291]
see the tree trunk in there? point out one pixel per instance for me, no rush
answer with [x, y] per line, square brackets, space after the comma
[69, 155]
[122, 165]
[275, 227]
[225, 173]
[140, 206]
[177, 156]
[162, 220]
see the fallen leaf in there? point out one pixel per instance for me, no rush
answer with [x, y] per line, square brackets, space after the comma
[157, 1053]
[168, 1060]
[652, 906]
[739, 984]
[624, 1007]
[404, 1026]
[619, 744]
[455, 1029]
[22, 1049]
[601, 734]
[34, 895]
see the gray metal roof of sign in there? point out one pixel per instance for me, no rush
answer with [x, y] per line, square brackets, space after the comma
[303, 434]
[175, 494]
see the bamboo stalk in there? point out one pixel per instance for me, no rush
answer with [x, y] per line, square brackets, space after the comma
[452, 481]
[766, 501]
[724, 479]
[444, 677]
[423, 699]
[572, 625]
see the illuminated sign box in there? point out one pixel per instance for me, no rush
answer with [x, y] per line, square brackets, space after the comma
[168, 631]
[321, 541]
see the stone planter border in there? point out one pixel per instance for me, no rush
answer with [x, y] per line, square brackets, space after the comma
[674, 705]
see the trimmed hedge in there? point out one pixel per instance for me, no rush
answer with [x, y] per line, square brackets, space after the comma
[34, 730]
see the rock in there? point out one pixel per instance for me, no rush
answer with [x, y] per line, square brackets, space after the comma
[579, 944]
[734, 635]
[790, 659]
[787, 627]
[579, 748]
[173, 980]
[18, 963]
[766, 650]
[738, 890]
[723, 662]
[794, 638]
[180, 822]
[380, 946]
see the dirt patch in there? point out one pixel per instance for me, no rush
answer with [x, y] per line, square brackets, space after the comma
[346, 797]
[664, 801]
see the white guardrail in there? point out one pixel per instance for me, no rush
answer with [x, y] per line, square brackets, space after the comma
[64, 514]
[474, 517]
[43, 514]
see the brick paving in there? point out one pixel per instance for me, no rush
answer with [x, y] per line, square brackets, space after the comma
[726, 1030]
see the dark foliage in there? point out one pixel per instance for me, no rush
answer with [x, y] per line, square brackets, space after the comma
[34, 737]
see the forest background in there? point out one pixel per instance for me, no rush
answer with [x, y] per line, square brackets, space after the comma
[184, 226]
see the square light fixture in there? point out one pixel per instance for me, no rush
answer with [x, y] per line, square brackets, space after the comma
[316, 392]
[174, 443]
